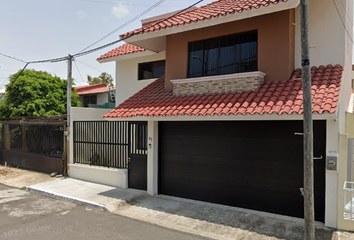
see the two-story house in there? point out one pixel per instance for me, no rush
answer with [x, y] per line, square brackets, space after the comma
[219, 113]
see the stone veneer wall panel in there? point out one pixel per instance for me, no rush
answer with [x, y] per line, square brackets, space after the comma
[217, 86]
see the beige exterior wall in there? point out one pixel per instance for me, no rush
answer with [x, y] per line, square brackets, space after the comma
[127, 82]
[275, 45]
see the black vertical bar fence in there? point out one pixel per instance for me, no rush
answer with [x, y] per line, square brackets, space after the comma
[101, 143]
[38, 138]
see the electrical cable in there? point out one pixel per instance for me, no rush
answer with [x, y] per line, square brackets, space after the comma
[80, 54]
[343, 23]
[60, 59]
[128, 4]
[88, 65]
[12, 58]
[23, 69]
[126, 23]
[82, 79]
[135, 33]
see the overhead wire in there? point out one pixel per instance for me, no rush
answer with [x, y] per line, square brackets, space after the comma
[88, 65]
[126, 23]
[83, 53]
[343, 23]
[79, 54]
[13, 82]
[82, 79]
[128, 4]
[17, 59]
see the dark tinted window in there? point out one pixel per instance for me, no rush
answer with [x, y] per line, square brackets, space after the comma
[151, 70]
[223, 55]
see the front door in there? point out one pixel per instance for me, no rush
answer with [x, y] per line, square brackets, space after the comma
[137, 165]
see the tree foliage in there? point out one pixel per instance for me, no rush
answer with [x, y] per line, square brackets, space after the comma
[35, 93]
[103, 78]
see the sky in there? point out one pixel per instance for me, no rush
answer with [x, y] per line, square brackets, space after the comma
[33, 30]
[42, 29]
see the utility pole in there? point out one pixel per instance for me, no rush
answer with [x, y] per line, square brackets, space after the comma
[69, 86]
[308, 128]
[68, 105]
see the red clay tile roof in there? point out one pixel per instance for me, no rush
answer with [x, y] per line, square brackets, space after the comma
[213, 10]
[281, 97]
[93, 89]
[122, 50]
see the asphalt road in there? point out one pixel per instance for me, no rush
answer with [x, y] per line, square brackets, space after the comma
[25, 215]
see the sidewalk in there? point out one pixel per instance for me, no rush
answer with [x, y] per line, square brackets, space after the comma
[200, 218]
[20, 178]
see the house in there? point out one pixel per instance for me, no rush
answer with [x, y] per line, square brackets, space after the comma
[96, 96]
[223, 122]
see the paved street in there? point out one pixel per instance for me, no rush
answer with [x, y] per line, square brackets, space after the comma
[25, 215]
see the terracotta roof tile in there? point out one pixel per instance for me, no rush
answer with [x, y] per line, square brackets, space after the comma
[93, 89]
[282, 97]
[206, 12]
[122, 50]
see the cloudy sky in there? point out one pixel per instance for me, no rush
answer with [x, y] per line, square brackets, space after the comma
[42, 29]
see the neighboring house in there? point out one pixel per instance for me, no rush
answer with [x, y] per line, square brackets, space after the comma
[135, 69]
[96, 96]
[223, 122]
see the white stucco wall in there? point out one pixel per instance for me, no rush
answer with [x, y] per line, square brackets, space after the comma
[127, 76]
[325, 30]
[103, 175]
[102, 98]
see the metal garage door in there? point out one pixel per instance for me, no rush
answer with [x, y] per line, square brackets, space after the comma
[256, 165]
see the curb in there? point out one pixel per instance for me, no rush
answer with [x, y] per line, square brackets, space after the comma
[67, 198]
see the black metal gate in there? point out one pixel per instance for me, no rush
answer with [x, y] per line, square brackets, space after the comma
[113, 144]
[101, 143]
[34, 145]
[137, 167]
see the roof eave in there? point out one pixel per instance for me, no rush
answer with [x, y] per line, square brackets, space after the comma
[127, 56]
[214, 21]
[238, 117]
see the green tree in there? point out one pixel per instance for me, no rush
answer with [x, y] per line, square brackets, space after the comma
[35, 93]
[103, 78]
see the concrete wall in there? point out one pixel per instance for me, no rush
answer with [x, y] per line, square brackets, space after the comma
[127, 76]
[275, 45]
[102, 98]
[103, 175]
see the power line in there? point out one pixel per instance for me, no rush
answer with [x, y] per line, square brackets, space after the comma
[135, 33]
[12, 58]
[79, 72]
[343, 23]
[13, 82]
[80, 54]
[126, 23]
[128, 4]
[88, 65]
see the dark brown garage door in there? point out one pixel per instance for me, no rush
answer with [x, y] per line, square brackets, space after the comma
[256, 165]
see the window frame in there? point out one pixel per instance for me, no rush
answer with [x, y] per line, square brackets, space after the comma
[237, 35]
[140, 74]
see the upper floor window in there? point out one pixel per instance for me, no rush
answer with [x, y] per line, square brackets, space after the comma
[90, 99]
[223, 55]
[150, 70]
